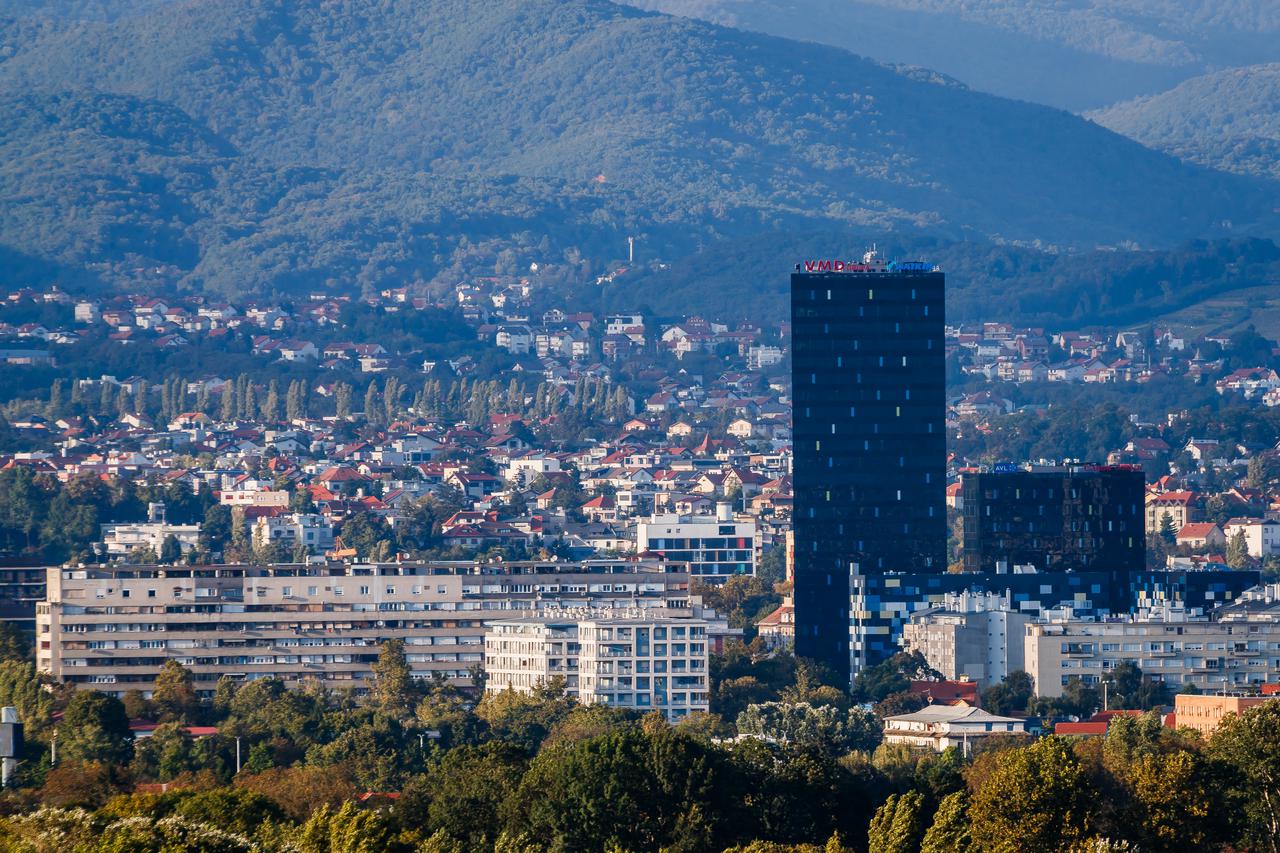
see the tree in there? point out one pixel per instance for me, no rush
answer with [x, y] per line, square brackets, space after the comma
[175, 694]
[170, 550]
[950, 831]
[632, 788]
[393, 680]
[1176, 805]
[1248, 745]
[1037, 799]
[1167, 531]
[463, 794]
[1012, 695]
[825, 727]
[349, 829]
[15, 645]
[94, 728]
[898, 825]
[300, 791]
[1238, 551]
[1078, 699]
[342, 400]
[1128, 688]
[271, 404]
[893, 675]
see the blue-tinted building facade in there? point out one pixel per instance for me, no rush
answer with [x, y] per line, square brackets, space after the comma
[883, 603]
[869, 407]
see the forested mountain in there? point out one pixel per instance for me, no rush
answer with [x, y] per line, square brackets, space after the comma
[1228, 120]
[258, 145]
[1078, 55]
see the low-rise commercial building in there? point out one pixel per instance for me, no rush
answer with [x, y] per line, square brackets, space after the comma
[1204, 713]
[645, 660]
[112, 628]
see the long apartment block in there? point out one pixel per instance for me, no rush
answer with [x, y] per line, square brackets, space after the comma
[112, 628]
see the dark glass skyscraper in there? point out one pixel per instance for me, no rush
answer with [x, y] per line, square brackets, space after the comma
[1066, 518]
[869, 402]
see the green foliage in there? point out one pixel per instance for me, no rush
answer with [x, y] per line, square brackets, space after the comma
[1129, 689]
[894, 675]
[1013, 695]
[94, 728]
[897, 826]
[348, 829]
[1248, 746]
[393, 679]
[950, 831]
[824, 727]
[1238, 551]
[174, 695]
[1225, 120]
[462, 795]
[1038, 799]
[630, 789]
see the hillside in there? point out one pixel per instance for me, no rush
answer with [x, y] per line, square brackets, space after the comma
[1061, 290]
[374, 142]
[1077, 56]
[1228, 120]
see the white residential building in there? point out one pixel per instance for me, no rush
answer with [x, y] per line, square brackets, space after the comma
[715, 547]
[525, 470]
[939, 727]
[121, 539]
[1261, 535]
[309, 529]
[635, 659]
[254, 497]
[763, 356]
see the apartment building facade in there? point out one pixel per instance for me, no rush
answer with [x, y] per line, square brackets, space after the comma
[112, 628]
[974, 636]
[716, 547]
[1231, 650]
[635, 659]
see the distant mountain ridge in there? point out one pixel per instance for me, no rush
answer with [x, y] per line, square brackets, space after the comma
[258, 145]
[1227, 120]
[1079, 55]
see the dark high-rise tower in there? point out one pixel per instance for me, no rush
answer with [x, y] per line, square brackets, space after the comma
[869, 402]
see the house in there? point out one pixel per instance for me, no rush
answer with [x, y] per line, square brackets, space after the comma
[940, 727]
[1181, 507]
[1202, 534]
[778, 629]
[1261, 535]
[1251, 382]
